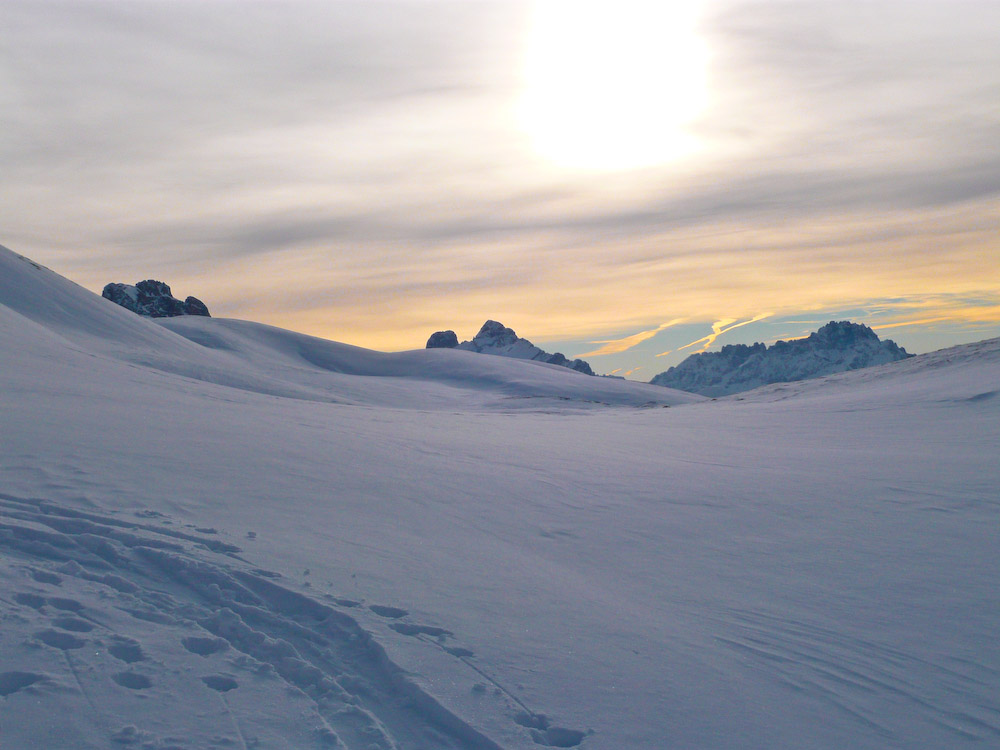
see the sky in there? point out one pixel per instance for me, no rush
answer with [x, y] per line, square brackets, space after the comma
[632, 181]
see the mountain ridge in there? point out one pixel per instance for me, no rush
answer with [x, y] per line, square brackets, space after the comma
[838, 346]
[495, 338]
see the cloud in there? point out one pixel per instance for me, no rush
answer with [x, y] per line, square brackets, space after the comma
[720, 327]
[959, 311]
[616, 346]
[353, 169]
[916, 322]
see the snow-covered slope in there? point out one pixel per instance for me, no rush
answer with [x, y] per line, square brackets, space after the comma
[186, 563]
[346, 372]
[269, 360]
[960, 374]
[836, 347]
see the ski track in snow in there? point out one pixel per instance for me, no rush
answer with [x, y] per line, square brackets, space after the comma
[210, 624]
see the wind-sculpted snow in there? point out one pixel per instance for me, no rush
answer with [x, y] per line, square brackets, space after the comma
[424, 378]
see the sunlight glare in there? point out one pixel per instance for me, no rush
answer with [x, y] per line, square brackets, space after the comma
[613, 85]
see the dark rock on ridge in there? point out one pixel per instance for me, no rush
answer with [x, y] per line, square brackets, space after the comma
[153, 299]
[194, 306]
[442, 340]
[495, 338]
[836, 347]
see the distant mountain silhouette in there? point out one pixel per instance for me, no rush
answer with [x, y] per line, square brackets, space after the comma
[495, 338]
[837, 346]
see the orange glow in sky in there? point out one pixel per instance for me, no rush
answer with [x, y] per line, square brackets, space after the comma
[610, 178]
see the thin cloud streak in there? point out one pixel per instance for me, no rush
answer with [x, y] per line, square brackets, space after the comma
[616, 346]
[719, 328]
[918, 322]
[973, 315]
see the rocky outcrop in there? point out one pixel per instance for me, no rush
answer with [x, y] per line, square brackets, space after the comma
[153, 299]
[442, 340]
[495, 338]
[836, 347]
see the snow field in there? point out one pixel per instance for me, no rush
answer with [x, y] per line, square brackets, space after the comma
[259, 537]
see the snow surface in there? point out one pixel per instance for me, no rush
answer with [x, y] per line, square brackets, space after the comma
[218, 534]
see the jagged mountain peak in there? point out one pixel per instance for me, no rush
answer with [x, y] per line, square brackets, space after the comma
[836, 347]
[496, 338]
[840, 332]
[495, 334]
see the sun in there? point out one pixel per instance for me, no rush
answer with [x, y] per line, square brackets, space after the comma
[612, 86]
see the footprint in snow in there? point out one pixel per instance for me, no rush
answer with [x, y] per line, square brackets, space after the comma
[30, 600]
[132, 680]
[11, 682]
[342, 602]
[391, 612]
[127, 651]
[73, 623]
[69, 605]
[220, 682]
[543, 733]
[60, 640]
[204, 646]
[44, 576]
[406, 628]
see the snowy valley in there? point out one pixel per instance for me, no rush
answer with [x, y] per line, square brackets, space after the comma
[220, 534]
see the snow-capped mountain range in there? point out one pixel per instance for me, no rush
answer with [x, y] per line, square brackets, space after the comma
[496, 338]
[836, 347]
